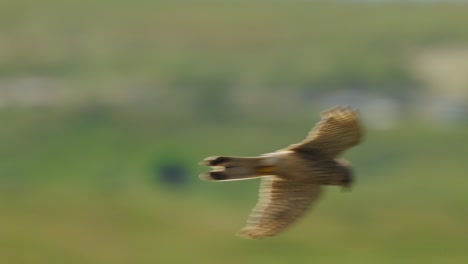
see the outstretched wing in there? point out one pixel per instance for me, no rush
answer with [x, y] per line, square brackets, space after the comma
[338, 130]
[281, 203]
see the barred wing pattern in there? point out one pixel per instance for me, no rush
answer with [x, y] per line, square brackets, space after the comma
[338, 130]
[281, 203]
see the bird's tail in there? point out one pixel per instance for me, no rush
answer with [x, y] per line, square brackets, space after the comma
[236, 168]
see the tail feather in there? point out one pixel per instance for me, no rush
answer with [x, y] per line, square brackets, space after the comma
[233, 168]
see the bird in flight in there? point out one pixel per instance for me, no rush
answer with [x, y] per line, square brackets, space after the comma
[292, 178]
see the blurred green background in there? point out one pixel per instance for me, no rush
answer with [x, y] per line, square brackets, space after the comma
[107, 107]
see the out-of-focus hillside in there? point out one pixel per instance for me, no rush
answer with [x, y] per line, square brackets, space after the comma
[108, 106]
[203, 54]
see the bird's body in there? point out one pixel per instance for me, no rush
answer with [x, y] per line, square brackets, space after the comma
[292, 177]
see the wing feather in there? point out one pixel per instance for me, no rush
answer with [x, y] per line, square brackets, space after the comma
[281, 203]
[338, 130]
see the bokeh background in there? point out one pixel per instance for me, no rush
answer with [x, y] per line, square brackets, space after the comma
[107, 107]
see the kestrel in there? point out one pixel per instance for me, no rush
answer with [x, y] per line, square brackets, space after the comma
[292, 177]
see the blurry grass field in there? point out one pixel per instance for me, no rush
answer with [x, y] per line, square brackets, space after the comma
[81, 192]
[142, 83]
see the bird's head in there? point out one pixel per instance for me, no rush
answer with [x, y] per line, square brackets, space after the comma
[347, 178]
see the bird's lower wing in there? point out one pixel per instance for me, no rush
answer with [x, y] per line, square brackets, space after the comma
[281, 203]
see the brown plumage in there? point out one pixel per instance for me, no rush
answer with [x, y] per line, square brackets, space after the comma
[292, 177]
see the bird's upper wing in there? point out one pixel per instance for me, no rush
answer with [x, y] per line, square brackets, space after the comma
[338, 130]
[281, 203]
